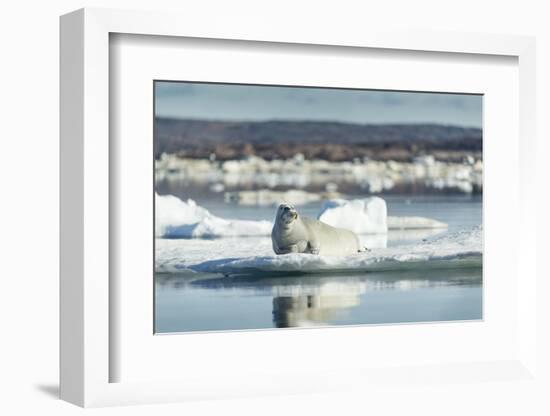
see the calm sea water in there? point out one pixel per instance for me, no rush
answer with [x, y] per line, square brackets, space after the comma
[214, 302]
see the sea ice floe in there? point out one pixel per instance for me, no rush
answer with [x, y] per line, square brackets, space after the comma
[457, 250]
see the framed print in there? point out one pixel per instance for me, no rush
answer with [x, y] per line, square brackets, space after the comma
[243, 214]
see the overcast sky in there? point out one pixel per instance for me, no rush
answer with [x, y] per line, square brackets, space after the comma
[246, 103]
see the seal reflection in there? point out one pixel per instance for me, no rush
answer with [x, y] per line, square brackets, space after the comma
[311, 310]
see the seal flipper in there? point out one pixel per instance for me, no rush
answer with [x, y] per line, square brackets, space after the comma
[314, 247]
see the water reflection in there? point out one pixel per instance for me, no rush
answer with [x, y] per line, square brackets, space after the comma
[311, 310]
[313, 300]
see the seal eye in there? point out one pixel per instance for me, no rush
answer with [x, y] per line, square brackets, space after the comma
[286, 209]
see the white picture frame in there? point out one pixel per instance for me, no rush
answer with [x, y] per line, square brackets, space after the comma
[87, 301]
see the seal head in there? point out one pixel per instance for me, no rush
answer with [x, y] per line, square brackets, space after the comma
[286, 214]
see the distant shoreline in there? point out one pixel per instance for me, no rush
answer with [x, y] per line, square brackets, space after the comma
[331, 141]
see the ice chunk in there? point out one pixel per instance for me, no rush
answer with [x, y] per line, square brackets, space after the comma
[185, 219]
[369, 216]
[362, 216]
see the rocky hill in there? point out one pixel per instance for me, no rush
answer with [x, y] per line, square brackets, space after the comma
[332, 141]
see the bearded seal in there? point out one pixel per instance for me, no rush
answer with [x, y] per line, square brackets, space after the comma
[296, 234]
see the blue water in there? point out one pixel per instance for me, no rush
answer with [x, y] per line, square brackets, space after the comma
[215, 302]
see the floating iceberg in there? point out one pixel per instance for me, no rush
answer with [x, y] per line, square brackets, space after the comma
[185, 219]
[457, 250]
[362, 216]
[370, 216]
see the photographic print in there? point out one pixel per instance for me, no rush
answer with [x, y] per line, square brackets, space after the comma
[286, 206]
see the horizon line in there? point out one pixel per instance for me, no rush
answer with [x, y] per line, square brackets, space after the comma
[291, 120]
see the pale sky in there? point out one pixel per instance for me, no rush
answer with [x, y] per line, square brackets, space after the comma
[258, 103]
